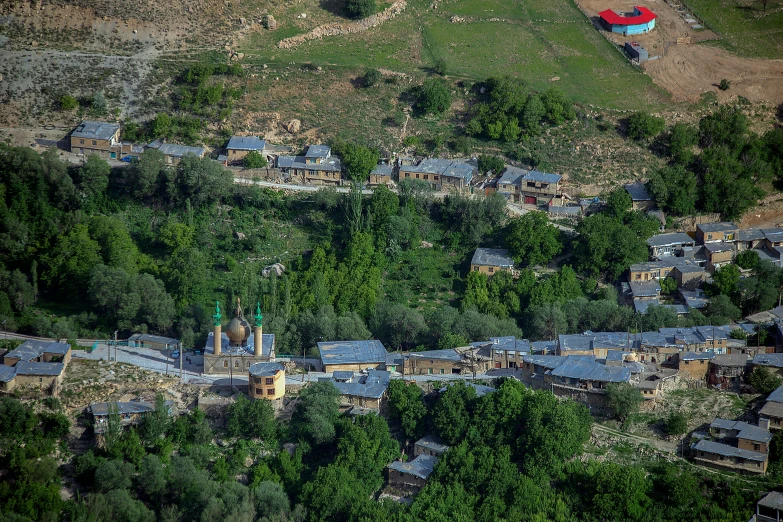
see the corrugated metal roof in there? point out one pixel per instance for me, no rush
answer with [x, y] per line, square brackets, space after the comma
[751, 234]
[721, 226]
[772, 409]
[676, 238]
[719, 246]
[431, 442]
[39, 368]
[352, 352]
[546, 361]
[772, 500]
[777, 395]
[246, 143]
[769, 359]
[265, 369]
[101, 409]
[298, 162]
[591, 371]
[447, 355]
[381, 170]
[343, 375]
[510, 344]
[492, 257]
[697, 356]
[717, 448]
[177, 151]
[32, 349]
[481, 390]
[542, 177]
[421, 467]
[96, 130]
[645, 288]
[373, 385]
[743, 429]
[7, 373]
[512, 176]
[318, 151]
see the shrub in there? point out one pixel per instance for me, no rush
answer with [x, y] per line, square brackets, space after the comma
[254, 160]
[68, 102]
[724, 85]
[763, 380]
[642, 125]
[433, 97]
[676, 423]
[440, 66]
[372, 77]
[359, 8]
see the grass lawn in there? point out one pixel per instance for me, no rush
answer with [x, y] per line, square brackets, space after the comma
[746, 29]
[537, 41]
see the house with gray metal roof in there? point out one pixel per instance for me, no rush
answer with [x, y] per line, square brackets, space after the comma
[128, 413]
[365, 390]
[489, 261]
[771, 415]
[352, 355]
[7, 375]
[663, 245]
[316, 166]
[33, 350]
[43, 375]
[440, 173]
[411, 475]
[381, 175]
[769, 508]
[430, 445]
[641, 199]
[240, 146]
[589, 375]
[729, 457]
[723, 231]
[174, 152]
[97, 137]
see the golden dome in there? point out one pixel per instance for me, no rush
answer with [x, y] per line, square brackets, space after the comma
[238, 329]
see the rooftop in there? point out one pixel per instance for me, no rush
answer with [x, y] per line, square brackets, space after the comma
[510, 344]
[318, 151]
[381, 170]
[512, 176]
[422, 466]
[246, 143]
[7, 373]
[751, 234]
[175, 150]
[39, 368]
[542, 177]
[731, 359]
[372, 385]
[591, 371]
[743, 429]
[641, 15]
[444, 167]
[697, 356]
[432, 442]
[266, 369]
[676, 238]
[102, 408]
[481, 390]
[645, 288]
[148, 338]
[637, 191]
[717, 227]
[449, 355]
[352, 352]
[32, 349]
[769, 359]
[772, 500]
[719, 246]
[492, 257]
[729, 451]
[772, 409]
[96, 130]
[776, 396]
[298, 162]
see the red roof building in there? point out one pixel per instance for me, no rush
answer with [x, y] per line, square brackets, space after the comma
[640, 22]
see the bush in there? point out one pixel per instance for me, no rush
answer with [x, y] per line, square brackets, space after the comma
[371, 77]
[98, 103]
[676, 423]
[493, 163]
[724, 85]
[68, 102]
[433, 97]
[359, 8]
[623, 399]
[763, 380]
[747, 259]
[642, 125]
[440, 66]
[254, 160]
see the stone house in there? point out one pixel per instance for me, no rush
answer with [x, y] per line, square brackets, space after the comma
[39, 351]
[529, 187]
[316, 167]
[727, 370]
[381, 175]
[412, 475]
[173, 153]
[640, 198]
[769, 508]
[430, 445]
[441, 174]
[96, 137]
[489, 261]
[695, 365]
[352, 355]
[240, 146]
[43, 375]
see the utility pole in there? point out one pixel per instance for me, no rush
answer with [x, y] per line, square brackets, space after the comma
[180, 362]
[230, 367]
[167, 357]
[115, 345]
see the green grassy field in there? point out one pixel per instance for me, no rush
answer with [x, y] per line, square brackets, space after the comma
[543, 42]
[746, 29]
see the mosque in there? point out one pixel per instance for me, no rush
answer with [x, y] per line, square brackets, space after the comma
[235, 350]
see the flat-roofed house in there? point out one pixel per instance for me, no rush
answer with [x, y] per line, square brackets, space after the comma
[155, 342]
[750, 239]
[640, 198]
[723, 231]
[491, 261]
[695, 365]
[538, 188]
[719, 254]
[97, 137]
[364, 389]
[504, 352]
[772, 412]
[411, 475]
[240, 146]
[174, 152]
[664, 245]
[430, 445]
[590, 375]
[381, 175]
[352, 355]
[39, 375]
[441, 174]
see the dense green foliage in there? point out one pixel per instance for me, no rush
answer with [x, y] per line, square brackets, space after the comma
[433, 96]
[359, 8]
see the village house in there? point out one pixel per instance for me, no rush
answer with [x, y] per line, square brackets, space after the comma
[39, 351]
[640, 198]
[665, 245]
[769, 508]
[729, 457]
[685, 271]
[352, 355]
[589, 375]
[7, 378]
[412, 475]
[174, 153]
[240, 146]
[316, 167]
[266, 380]
[381, 175]
[727, 370]
[441, 174]
[362, 389]
[504, 352]
[596, 344]
[771, 361]
[95, 137]
[716, 232]
[530, 187]
[654, 384]
[154, 342]
[43, 375]
[695, 365]
[430, 445]
[746, 436]
[772, 414]
[718, 254]
[491, 260]
[454, 361]
[128, 413]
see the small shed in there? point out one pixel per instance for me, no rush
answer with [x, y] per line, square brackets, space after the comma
[636, 51]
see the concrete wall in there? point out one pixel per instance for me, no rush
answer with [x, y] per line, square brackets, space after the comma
[694, 370]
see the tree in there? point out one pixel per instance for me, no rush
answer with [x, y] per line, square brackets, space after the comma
[623, 399]
[487, 163]
[606, 245]
[433, 96]
[118, 249]
[371, 77]
[68, 102]
[200, 180]
[316, 413]
[440, 66]
[763, 380]
[676, 423]
[618, 203]
[161, 126]
[406, 405]
[747, 259]
[358, 161]
[643, 125]
[72, 260]
[94, 176]
[533, 240]
[724, 83]
[620, 493]
[674, 190]
[254, 160]
[681, 140]
[155, 424]
[360, 8]
[725, 280]
[558, 107]
[252, 419]
[532, 115]
[98, 103]
[451, 413]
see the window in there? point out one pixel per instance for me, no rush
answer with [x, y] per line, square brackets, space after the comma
[236, 364]
[442, 370]
[417, 176]
[531, 184]
[721, 457]
[407, 175]
[259, 391]
[426, 176]
[40, 379]
[544, 185]
[247, 364]
[475, 269]
[225, 364]
[756, 447]
[94, 142]
[270, 391]
[429, 371]
[491, 269]
[270, 380]
[638, 276]
[702, 361]
[81, 142]
[435, 178]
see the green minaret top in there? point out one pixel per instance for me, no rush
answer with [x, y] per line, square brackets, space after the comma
[258, 317]
[217, 315]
